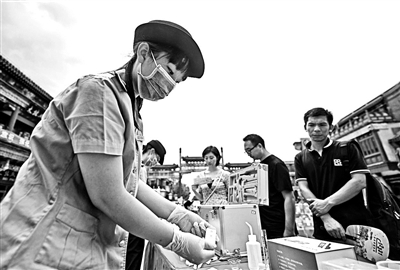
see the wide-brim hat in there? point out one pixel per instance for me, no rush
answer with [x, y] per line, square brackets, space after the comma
[159, 148]
[172, 34]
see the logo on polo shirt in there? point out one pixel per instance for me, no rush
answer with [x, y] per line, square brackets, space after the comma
[337, 162]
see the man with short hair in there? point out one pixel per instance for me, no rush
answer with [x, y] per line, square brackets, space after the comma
[278, 217]
[333, 191]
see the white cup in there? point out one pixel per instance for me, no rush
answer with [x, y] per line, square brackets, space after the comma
[388, 264]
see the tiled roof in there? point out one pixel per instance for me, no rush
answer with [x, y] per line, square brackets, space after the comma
[6, 65]
[238, 164]
[379, 114]
[189, 159]
[370, 105]
[164, 167]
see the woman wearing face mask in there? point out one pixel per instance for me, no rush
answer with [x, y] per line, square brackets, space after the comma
[76, 197]
[212, 184]
[153, 154]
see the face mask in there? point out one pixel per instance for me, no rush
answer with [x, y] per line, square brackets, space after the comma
[157, 85]
[151, 160]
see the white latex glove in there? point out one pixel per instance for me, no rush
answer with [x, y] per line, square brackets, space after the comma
[189, 221]
[191, 247]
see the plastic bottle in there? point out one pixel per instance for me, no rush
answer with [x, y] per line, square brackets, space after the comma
[253, 249]
[261, 266]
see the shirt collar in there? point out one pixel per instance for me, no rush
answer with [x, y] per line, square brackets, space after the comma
[118, 74]
[327, 144]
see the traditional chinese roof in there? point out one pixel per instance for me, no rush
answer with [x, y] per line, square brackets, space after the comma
[241, 165]
[23, 79]
[165, 167]
[191, 159]
[375, 111]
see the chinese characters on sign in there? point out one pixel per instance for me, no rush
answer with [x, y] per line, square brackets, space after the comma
[13, 138]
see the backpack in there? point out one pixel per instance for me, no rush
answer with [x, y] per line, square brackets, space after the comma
[382, 204]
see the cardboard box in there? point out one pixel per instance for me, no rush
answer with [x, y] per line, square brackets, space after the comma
[229, 221]
[305, 253]
[249, 185]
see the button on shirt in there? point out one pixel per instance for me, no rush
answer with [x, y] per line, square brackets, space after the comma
[47, 218]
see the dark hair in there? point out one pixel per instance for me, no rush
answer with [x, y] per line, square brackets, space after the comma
[175, 56]
[255, 139]
[147, 147]
[214, 150]
[318, 112]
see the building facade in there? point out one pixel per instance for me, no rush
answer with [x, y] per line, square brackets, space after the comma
[22, 104]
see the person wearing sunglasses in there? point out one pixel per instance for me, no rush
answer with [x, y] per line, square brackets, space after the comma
[78, 195]
[278, 218]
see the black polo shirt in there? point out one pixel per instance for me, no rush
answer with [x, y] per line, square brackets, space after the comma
[326, 175]
[273, 216]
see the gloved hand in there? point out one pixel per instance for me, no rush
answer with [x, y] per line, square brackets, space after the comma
[189, 221]
[194, 249]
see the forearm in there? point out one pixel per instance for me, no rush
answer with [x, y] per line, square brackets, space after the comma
[289, 213]
[104, 183]
[347, 192]
[305, 191]
[325, 217]
[134, 217]
[197, 194]
[153, 201]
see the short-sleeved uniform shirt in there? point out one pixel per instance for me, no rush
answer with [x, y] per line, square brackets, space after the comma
[325, 175]
[273, 216]
[47, 219]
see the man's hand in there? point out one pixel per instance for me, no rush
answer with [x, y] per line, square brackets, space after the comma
[319, 207]
[333, 228]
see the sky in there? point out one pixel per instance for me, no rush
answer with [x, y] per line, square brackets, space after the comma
[266, 62]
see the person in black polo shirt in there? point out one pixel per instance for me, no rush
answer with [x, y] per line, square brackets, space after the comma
[277, 218]
[333, 192]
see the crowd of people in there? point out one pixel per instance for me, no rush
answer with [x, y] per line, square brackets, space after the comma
[81, 199]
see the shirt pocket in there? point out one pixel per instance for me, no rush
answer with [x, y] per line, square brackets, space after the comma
[71, 242]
